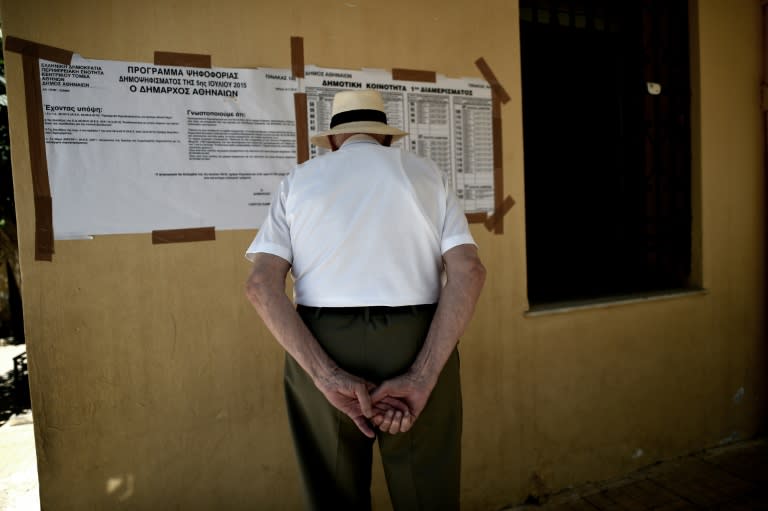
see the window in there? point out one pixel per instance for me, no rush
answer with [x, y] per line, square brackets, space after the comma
[607, 155]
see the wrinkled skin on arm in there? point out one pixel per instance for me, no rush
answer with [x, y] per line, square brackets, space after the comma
[265, 289]
[465, 278]
[396, 404]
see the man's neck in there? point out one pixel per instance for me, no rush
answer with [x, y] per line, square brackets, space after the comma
[357, 137]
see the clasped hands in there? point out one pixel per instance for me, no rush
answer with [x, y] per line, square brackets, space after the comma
[393, 406]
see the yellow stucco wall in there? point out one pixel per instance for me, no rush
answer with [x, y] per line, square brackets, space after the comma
[155, 386]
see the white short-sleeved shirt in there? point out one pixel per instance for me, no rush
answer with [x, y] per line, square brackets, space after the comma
[365, 225]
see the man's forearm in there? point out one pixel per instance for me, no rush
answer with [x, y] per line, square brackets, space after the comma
[266, 292]
[466, 276]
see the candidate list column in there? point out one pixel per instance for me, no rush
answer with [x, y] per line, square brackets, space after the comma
[473, 153]
[429, 126]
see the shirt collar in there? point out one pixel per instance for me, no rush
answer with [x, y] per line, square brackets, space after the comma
[358, 138]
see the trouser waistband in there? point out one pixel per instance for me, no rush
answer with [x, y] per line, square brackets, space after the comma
[367, 311]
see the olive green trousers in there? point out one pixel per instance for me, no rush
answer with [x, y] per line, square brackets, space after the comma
[422, 467]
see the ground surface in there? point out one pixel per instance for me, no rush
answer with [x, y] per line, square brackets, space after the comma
[730, 478]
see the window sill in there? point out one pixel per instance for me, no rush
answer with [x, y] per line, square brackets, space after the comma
[614, 301]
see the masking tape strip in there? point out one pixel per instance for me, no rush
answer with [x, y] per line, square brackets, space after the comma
[476, 218]
[498, 164]
[43, 229]
[497, 215]
[31, 53]
[297, 56]
[414, 75]
[183, 235]
[302, 130]
[38, 50]
[37, 159]
[169, 58]
[35, 130]
[482, 65]
[300, 101]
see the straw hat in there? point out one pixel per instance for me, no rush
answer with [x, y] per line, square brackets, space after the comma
[357, 112]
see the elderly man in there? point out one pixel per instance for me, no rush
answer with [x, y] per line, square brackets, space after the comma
[369, 233]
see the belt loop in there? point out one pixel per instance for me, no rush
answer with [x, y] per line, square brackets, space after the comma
[367, 314]
[317, 312]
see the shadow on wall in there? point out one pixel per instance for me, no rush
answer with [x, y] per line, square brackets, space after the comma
[14, 389]
[762, 423]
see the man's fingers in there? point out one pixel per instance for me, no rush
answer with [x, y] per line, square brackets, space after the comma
[394, 427]
[393, 423]
[386, 421]
[391, 402]
[380, 409]
[381, 392]
[361, 393]
[363, 426]
[406, 424]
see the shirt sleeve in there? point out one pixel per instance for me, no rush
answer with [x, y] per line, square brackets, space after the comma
[455, 226]
[274, 236]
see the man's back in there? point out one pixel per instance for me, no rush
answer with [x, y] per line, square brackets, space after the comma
[367, 225]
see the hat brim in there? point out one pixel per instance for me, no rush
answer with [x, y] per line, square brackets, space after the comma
[371, 127]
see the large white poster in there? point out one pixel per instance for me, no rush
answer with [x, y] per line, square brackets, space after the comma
[134, 147]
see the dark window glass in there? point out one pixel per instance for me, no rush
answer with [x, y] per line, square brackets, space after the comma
[607, 163]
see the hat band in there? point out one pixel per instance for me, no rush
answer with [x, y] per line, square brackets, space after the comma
[358, 115]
